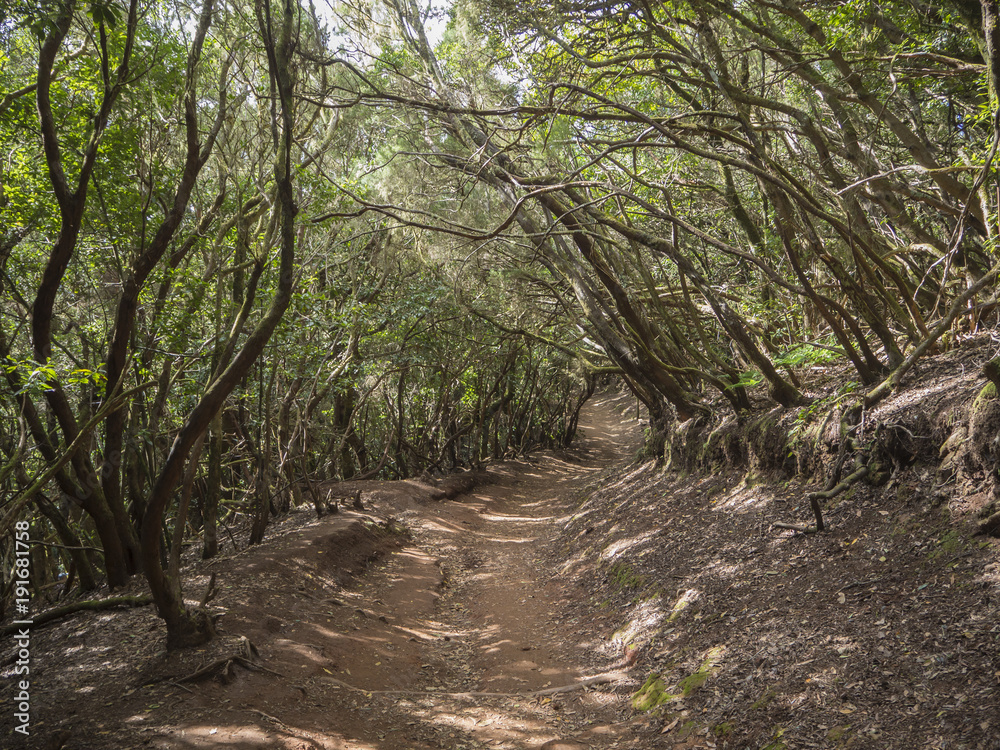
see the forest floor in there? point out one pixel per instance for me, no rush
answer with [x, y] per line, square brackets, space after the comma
[573, 599]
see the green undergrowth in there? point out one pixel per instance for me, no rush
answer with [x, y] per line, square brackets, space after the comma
[777, 743]
[624, 576]
[655, 693]
[987, 394]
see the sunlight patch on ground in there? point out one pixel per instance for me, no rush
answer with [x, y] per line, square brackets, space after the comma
[682, 603]
[616, 549]
[843, 645]
[305, 653]
[991, 575]
[740, 500]
[713, 657]
[413, 555]
[635, 473]
[492, 648]
[249, 736]
[546, 505]
[508, 540]
[456, 721]
[423, 635]
[519, 519]
[480, 577]
[720, 569]
[502, 729]
[442, 630]
[646, 617]
[445, 527]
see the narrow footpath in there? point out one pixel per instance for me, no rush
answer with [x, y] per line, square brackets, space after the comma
[460, 639]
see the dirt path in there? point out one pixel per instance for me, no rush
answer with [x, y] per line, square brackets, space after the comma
[561, 570]
[460, 639]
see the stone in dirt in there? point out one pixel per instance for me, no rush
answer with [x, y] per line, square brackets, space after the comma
[563, 745]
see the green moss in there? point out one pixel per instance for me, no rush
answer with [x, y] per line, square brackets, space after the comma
[715, 490]
[692, 682]
[686, 729]
[723, 729]
[679, 606]
[987, 394]
[768, 696]
[838, 734]
[695, 681]
[949, 544]
[624, 576]
[653, 693]
[777, 743]
[879, 474]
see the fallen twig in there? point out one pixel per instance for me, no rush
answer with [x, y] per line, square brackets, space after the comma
[856, 584]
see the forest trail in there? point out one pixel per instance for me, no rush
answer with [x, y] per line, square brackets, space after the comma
[404, 658]
[566, 569]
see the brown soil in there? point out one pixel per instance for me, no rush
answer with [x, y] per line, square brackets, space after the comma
[439, 645]
[575, 569]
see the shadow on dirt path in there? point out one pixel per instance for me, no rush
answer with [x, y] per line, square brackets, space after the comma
[459, 639]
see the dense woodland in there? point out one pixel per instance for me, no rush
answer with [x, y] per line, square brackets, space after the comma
[247, 249]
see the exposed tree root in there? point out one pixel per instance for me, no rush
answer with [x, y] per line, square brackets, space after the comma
[93, 605]
[210, 592]
[223, 668]
[601, 679]
[270, 718]
[827, 494]
[802, 529]
[991, 525]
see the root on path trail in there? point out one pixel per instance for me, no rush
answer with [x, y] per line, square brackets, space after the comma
[601, 679]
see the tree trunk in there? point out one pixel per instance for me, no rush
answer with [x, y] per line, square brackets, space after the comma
[186, 627]
[213, 492]
[84, 570]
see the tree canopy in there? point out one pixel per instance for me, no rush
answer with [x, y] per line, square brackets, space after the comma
[246, 249]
